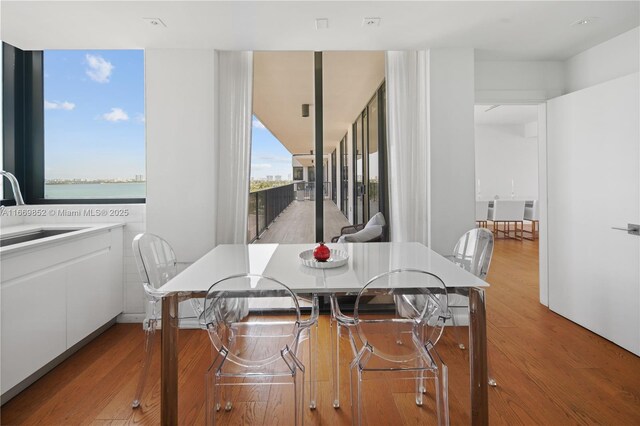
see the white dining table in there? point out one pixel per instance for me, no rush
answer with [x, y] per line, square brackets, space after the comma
[281, 261]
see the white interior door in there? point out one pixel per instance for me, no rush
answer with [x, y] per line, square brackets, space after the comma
[593, 154]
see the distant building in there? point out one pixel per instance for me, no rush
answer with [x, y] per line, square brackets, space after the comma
[269, 177]
[278, 177]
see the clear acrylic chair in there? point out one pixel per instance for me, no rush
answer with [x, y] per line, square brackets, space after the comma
[473, 253]
[157, 264]
[255, 327]
[398, 318]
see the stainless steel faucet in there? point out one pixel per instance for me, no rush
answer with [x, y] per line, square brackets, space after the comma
[17, 195]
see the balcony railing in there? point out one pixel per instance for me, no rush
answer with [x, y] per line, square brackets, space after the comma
[307, 190]
[265, 205]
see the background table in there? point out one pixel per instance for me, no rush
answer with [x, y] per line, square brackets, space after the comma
[280, 261]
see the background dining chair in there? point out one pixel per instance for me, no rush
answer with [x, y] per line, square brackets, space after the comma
[399, 335]
[482, 213]
[532, 214]
[507, 212]
[156, 262]
[255, 327]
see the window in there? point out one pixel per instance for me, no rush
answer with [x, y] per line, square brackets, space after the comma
[94, 140]
[298, 173]
[73, 125]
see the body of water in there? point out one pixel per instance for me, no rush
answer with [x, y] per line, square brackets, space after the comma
[96, 190]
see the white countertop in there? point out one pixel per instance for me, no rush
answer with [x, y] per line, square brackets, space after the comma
[280, 261]
[83, 229]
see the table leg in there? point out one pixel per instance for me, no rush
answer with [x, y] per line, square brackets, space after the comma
[169, 361]
[478, 357]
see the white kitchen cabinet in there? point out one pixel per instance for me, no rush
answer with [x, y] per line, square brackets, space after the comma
[33, 323]
[55, 294]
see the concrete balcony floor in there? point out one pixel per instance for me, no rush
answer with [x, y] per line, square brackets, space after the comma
[296, 224]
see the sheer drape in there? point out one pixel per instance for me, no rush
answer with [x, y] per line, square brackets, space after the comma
[407, 138]
[234, 72]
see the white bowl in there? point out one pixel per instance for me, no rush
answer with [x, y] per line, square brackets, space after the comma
[337, 259]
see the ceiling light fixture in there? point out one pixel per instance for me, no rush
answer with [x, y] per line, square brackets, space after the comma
[322, 23]
[371, 22]
[585, 21]
[156, 22]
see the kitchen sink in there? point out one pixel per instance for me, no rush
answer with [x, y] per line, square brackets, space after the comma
[33, 235]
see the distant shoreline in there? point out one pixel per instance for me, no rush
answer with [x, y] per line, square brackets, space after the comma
[95, 182]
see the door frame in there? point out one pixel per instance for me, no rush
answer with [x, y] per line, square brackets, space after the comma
[543, 256]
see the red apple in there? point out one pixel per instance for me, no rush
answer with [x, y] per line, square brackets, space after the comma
[322, 253]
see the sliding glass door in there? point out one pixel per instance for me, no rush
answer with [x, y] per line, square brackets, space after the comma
[373, 194]
[368, 159]
[344, 177]
[358, 170]
[334, 175]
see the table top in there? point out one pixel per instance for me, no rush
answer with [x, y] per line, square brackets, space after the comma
[281, 261]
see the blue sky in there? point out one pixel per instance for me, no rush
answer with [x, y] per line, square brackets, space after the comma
[94, 113]
[269, 156]
[94, 118]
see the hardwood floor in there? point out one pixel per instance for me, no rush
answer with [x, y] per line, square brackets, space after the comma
[296, 224]
[549, 371]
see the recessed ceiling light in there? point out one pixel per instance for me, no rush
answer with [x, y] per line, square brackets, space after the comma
[586, 21]
[371, 22]
[322, 23]
[155, 22]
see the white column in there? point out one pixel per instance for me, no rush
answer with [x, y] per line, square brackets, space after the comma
[181, 205]
[451, 177]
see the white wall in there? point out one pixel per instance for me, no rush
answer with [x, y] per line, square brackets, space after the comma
[518, 81]
[614, 58]
[451, 146]
[504, 153]
[180, 100]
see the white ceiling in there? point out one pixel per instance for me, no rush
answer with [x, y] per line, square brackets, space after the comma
[506, 114]
[535, 30]
[283, 81]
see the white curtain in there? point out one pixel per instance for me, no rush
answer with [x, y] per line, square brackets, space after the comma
[407, 139]
[234, 84]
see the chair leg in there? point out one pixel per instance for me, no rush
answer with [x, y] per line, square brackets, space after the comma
[398, 328]
[442, 395]
[335, 360]
[456, 330]
[148, 349]
[420, 387]
[211, 402]
[224, 394]
[298, 384]
[313, 365]
[356, 394]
